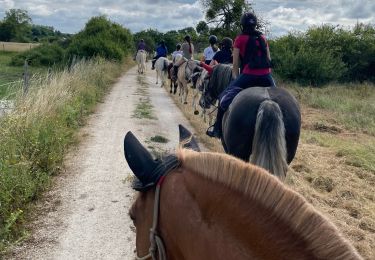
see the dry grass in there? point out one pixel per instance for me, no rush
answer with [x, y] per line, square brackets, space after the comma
[17, 46]
[323, 174]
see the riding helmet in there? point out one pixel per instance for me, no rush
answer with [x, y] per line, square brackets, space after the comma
[226, 43]
[212, 39]
[248, 20]
[178, 46]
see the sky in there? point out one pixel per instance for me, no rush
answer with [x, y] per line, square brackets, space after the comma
[70, 16]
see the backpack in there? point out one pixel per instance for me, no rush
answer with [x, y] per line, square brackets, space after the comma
[252, 57]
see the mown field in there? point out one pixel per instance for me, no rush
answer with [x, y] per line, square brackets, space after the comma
[334, 168]
[17, 46]
[11, 76]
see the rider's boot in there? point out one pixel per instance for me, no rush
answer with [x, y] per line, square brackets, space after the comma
[216, 129]
[153, 64]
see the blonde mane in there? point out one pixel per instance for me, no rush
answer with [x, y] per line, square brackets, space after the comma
[322, 237]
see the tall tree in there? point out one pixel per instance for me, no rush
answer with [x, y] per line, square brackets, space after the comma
[225, 14]
[16, 26]
[202, 27]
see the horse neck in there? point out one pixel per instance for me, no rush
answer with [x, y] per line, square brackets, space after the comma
[220, 223]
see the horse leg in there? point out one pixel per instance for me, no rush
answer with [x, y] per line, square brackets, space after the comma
[157, 75]
[186, 93]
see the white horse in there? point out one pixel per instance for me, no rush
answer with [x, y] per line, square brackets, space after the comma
[141, 61]
[184, 76]
[161, 67]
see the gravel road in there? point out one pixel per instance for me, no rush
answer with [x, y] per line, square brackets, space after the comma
[85, 213]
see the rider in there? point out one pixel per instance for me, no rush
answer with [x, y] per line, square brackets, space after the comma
[251, 49]
[224, 56]
[161, 51]
[174, 54]
[141, 46]
[211, 50]
[177, 51]
[187, 48]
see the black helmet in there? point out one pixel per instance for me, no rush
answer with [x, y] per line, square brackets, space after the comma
[178, 46]
[249, 20]
[226, 43]
[212, 39]
[187, 38]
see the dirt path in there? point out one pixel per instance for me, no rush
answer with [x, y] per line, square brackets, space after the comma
[85, 215]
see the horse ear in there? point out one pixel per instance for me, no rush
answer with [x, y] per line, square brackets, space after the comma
[187, 140]
[140, 161]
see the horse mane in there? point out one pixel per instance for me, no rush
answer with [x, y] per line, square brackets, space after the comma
[220, 79]
[322, 238]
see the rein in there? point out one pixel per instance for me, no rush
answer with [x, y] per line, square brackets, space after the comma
[155, 240]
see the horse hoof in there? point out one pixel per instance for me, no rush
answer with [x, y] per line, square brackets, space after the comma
[185, 103]
[196, 112]
[170, 91]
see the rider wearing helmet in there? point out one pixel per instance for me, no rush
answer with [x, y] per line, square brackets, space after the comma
[161, 51]
[177, 51]
[251, 51]
[224, 56]
[211, 50]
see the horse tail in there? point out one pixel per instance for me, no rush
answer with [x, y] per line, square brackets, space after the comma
[269, 145]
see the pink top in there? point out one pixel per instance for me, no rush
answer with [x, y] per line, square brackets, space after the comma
[241, 43]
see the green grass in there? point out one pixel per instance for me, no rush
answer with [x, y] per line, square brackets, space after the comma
[159, 139]
[10, 74]
[35, 137]
[356, 153]
[353, 106]
[143, 109]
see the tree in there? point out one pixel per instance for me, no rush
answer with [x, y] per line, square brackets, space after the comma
[202, 27]
[225, 14]
[16, 26]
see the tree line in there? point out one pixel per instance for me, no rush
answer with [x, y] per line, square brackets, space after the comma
[318, 56]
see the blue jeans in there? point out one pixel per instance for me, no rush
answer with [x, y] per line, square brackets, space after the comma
[242, 82]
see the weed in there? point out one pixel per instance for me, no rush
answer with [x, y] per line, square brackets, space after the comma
[159, 139]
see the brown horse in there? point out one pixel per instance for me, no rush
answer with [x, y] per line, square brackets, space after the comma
[214, 206]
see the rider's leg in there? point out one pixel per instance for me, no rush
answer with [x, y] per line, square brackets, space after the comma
[154, 60]
[225, 100]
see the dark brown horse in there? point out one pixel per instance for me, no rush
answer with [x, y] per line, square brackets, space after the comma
[195, 205]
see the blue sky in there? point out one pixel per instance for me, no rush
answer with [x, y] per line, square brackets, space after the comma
[70, 16]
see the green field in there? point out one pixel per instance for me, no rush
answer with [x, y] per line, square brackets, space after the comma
[9, 74]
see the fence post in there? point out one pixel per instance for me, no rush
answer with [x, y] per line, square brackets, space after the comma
[25, 78]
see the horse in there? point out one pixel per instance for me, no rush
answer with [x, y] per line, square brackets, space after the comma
[161, 67]
[262, 125]
[141, 61]
[186, 70]
[171, 74]
[199, 205]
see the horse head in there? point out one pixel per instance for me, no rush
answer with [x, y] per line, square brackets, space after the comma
[149, 173]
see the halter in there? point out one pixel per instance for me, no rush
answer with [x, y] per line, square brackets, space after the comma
[156, 243]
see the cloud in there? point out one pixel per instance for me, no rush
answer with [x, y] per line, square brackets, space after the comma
[71, 15]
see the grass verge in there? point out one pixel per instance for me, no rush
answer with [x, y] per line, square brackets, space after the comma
[36, 135]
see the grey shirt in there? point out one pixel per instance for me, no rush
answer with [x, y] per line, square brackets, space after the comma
[185, 50]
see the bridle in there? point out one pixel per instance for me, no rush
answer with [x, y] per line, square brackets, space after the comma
[156, 243]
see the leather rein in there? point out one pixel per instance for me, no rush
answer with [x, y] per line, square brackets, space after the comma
[156, 243]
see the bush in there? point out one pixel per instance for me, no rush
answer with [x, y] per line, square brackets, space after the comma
[43, 55]
[100, 37]
[325, 54]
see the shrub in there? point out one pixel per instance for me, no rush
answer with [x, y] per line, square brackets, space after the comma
[43, 55]
[100, 37]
